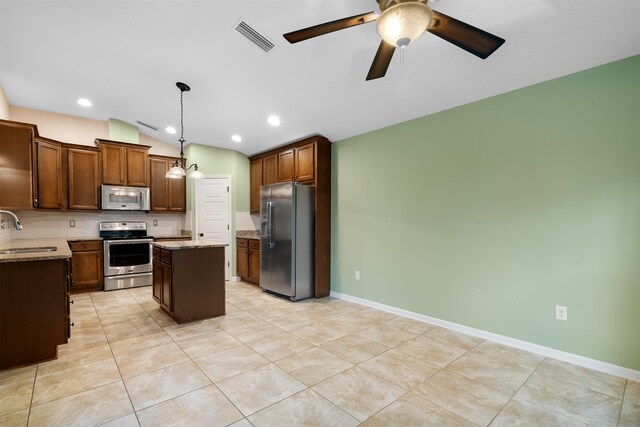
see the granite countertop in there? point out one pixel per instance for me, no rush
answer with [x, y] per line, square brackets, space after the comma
[171, 236]
[248, 234]
[62, 250]
[188, 244]
[82, 239]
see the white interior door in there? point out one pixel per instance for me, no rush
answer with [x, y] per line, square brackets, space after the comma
[213, 213]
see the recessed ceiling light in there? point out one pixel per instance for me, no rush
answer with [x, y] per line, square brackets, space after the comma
[236, 138]
[84, 102]
[170, 129]
[274, 120]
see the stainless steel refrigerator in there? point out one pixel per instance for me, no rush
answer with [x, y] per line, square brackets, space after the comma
[287, 240]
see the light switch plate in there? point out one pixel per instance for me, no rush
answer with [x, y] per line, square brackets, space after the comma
[72, 223]
[155, 222]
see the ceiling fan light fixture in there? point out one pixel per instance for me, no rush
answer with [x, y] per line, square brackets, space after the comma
[404, 23]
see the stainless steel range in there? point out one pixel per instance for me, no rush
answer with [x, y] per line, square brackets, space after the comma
[127, 254]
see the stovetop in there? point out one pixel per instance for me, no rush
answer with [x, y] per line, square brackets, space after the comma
[117, 230]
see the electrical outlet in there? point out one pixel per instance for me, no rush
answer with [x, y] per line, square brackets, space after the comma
[561, 312]
[72, 223]
[155, 222]
[357, 274]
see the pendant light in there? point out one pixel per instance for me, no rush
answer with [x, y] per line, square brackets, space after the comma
[178, 170]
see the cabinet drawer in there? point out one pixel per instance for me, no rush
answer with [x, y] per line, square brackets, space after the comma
[156, 253]
[242, 243]
[165, 256]
[254, 244]
[90, 245]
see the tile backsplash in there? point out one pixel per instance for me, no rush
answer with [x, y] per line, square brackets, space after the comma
[246, 221]
[39, 224]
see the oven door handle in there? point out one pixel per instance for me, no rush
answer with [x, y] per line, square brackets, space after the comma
[127, 241]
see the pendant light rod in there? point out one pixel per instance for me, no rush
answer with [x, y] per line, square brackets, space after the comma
[179, 169]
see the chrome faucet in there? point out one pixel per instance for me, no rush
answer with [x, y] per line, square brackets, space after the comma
[15, 219]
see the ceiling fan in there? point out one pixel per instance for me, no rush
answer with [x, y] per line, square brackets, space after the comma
[401, 22]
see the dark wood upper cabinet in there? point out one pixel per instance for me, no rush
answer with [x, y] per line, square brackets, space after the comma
[17, 183]
[167, 195]
[137, 166]
[177, 194]
[83, 166]
[270, 169]
[123, 164]
[49, 174]
[286, 168]
[113, 165]
[158, 167]
[304, 163]
[255, 173]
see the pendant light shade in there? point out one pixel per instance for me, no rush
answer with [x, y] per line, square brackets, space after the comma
[176, 172]
[404, 23]
[178, 169]
[196, 174]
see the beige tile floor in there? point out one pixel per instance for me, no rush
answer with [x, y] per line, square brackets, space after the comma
[270, 362]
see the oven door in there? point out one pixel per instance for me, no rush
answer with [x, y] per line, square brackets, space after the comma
[127, 256]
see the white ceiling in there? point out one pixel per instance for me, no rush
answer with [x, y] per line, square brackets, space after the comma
[126, 56]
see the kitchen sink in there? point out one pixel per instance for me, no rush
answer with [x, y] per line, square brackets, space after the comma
[27, 250]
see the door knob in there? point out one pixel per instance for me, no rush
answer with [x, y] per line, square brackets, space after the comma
[201, 234]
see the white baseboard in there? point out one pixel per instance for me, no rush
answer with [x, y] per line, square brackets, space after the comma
[235, 279]
[564, 356]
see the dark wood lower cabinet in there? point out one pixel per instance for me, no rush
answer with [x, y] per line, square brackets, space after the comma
[34, 310]
[248, 260]
[189, 283]
[254, 261]
[87, 266]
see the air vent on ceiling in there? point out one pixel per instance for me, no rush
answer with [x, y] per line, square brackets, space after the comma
[146, 125]
[254, 36]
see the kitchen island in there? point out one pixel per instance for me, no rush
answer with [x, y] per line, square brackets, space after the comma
[188, 279]
[34, 291]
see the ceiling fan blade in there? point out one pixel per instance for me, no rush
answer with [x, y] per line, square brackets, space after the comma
[472, 39]
[329, 27]
[381, 61]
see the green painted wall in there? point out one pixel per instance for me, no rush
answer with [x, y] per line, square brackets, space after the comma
[123, 131]
[490, 214]
[219, 161]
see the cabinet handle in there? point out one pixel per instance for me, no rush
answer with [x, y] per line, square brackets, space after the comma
[201, 234]
[71, 301]
[73, 324]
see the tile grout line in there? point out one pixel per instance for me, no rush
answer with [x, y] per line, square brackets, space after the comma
[117, 366]
[516, 392]
[624, 394]
[33, 391]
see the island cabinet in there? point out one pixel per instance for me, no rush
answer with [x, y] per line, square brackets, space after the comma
[17, 186]
[34, 314]
[86, 265]
[123, 164]
[309, 162]
[83, 176]
[248, 260]
[167, 194]
[188, 280]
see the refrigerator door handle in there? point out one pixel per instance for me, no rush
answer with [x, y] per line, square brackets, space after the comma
[270, 243]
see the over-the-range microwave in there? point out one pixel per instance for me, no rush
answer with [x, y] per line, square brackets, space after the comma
[125, 198]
